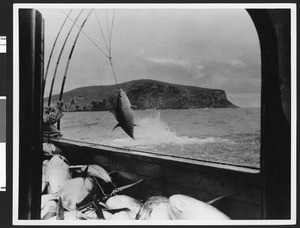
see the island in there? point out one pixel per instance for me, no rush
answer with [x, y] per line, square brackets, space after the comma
[144, 94]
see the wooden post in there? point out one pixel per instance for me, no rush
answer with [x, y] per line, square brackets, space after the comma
[30, 95]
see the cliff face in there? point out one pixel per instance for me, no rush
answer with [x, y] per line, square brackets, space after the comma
[145, 94]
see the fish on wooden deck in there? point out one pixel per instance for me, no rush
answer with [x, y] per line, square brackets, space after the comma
[57, 172]
[155, 208]
[123, 201]
[74, 191]
[182, 207]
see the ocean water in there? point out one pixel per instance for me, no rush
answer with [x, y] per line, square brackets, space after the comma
[230, 136]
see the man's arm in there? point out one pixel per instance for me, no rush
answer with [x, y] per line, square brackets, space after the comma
[54, 115]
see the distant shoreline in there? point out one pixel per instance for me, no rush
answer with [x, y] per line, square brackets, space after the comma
[165, 109]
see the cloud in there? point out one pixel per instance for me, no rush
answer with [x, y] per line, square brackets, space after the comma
[237, 63]
[233, 78]
[183, 64]
[164, 60]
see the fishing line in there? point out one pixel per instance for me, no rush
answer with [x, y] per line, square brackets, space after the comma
[109, 41]
[110, 38]
[112, 67]
[57, 63]
[107, 28]
[89, 38]
[101, 31]
[108, 46]
[112, 25]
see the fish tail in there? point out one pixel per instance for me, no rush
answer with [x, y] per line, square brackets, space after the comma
[118, 125]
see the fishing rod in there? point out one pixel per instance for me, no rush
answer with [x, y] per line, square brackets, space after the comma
[51, 52]
[57, 63]
[69, 60]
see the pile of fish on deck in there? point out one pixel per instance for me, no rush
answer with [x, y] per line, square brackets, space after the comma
[87, 192]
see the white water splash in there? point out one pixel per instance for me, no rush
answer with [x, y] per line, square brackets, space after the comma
[153, 131]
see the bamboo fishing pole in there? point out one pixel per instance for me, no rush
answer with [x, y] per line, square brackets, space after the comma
[51, 52]
[69, 60]
[57, 63]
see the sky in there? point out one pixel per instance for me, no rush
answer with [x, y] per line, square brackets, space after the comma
[211, 48]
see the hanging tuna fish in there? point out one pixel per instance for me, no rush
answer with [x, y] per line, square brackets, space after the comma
[123, 201]
[124, 114]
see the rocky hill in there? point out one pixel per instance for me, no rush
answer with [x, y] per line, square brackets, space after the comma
[144, 94]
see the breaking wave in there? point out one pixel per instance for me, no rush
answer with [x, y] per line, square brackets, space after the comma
[153, 131]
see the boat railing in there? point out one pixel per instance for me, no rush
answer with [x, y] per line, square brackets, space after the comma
[167, 175]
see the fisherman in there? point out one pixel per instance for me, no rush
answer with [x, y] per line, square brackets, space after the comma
[50, 117]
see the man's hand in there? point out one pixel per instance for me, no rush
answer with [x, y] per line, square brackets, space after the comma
[60, 104]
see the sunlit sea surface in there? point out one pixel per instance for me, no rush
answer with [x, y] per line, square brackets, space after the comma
[229, 135]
